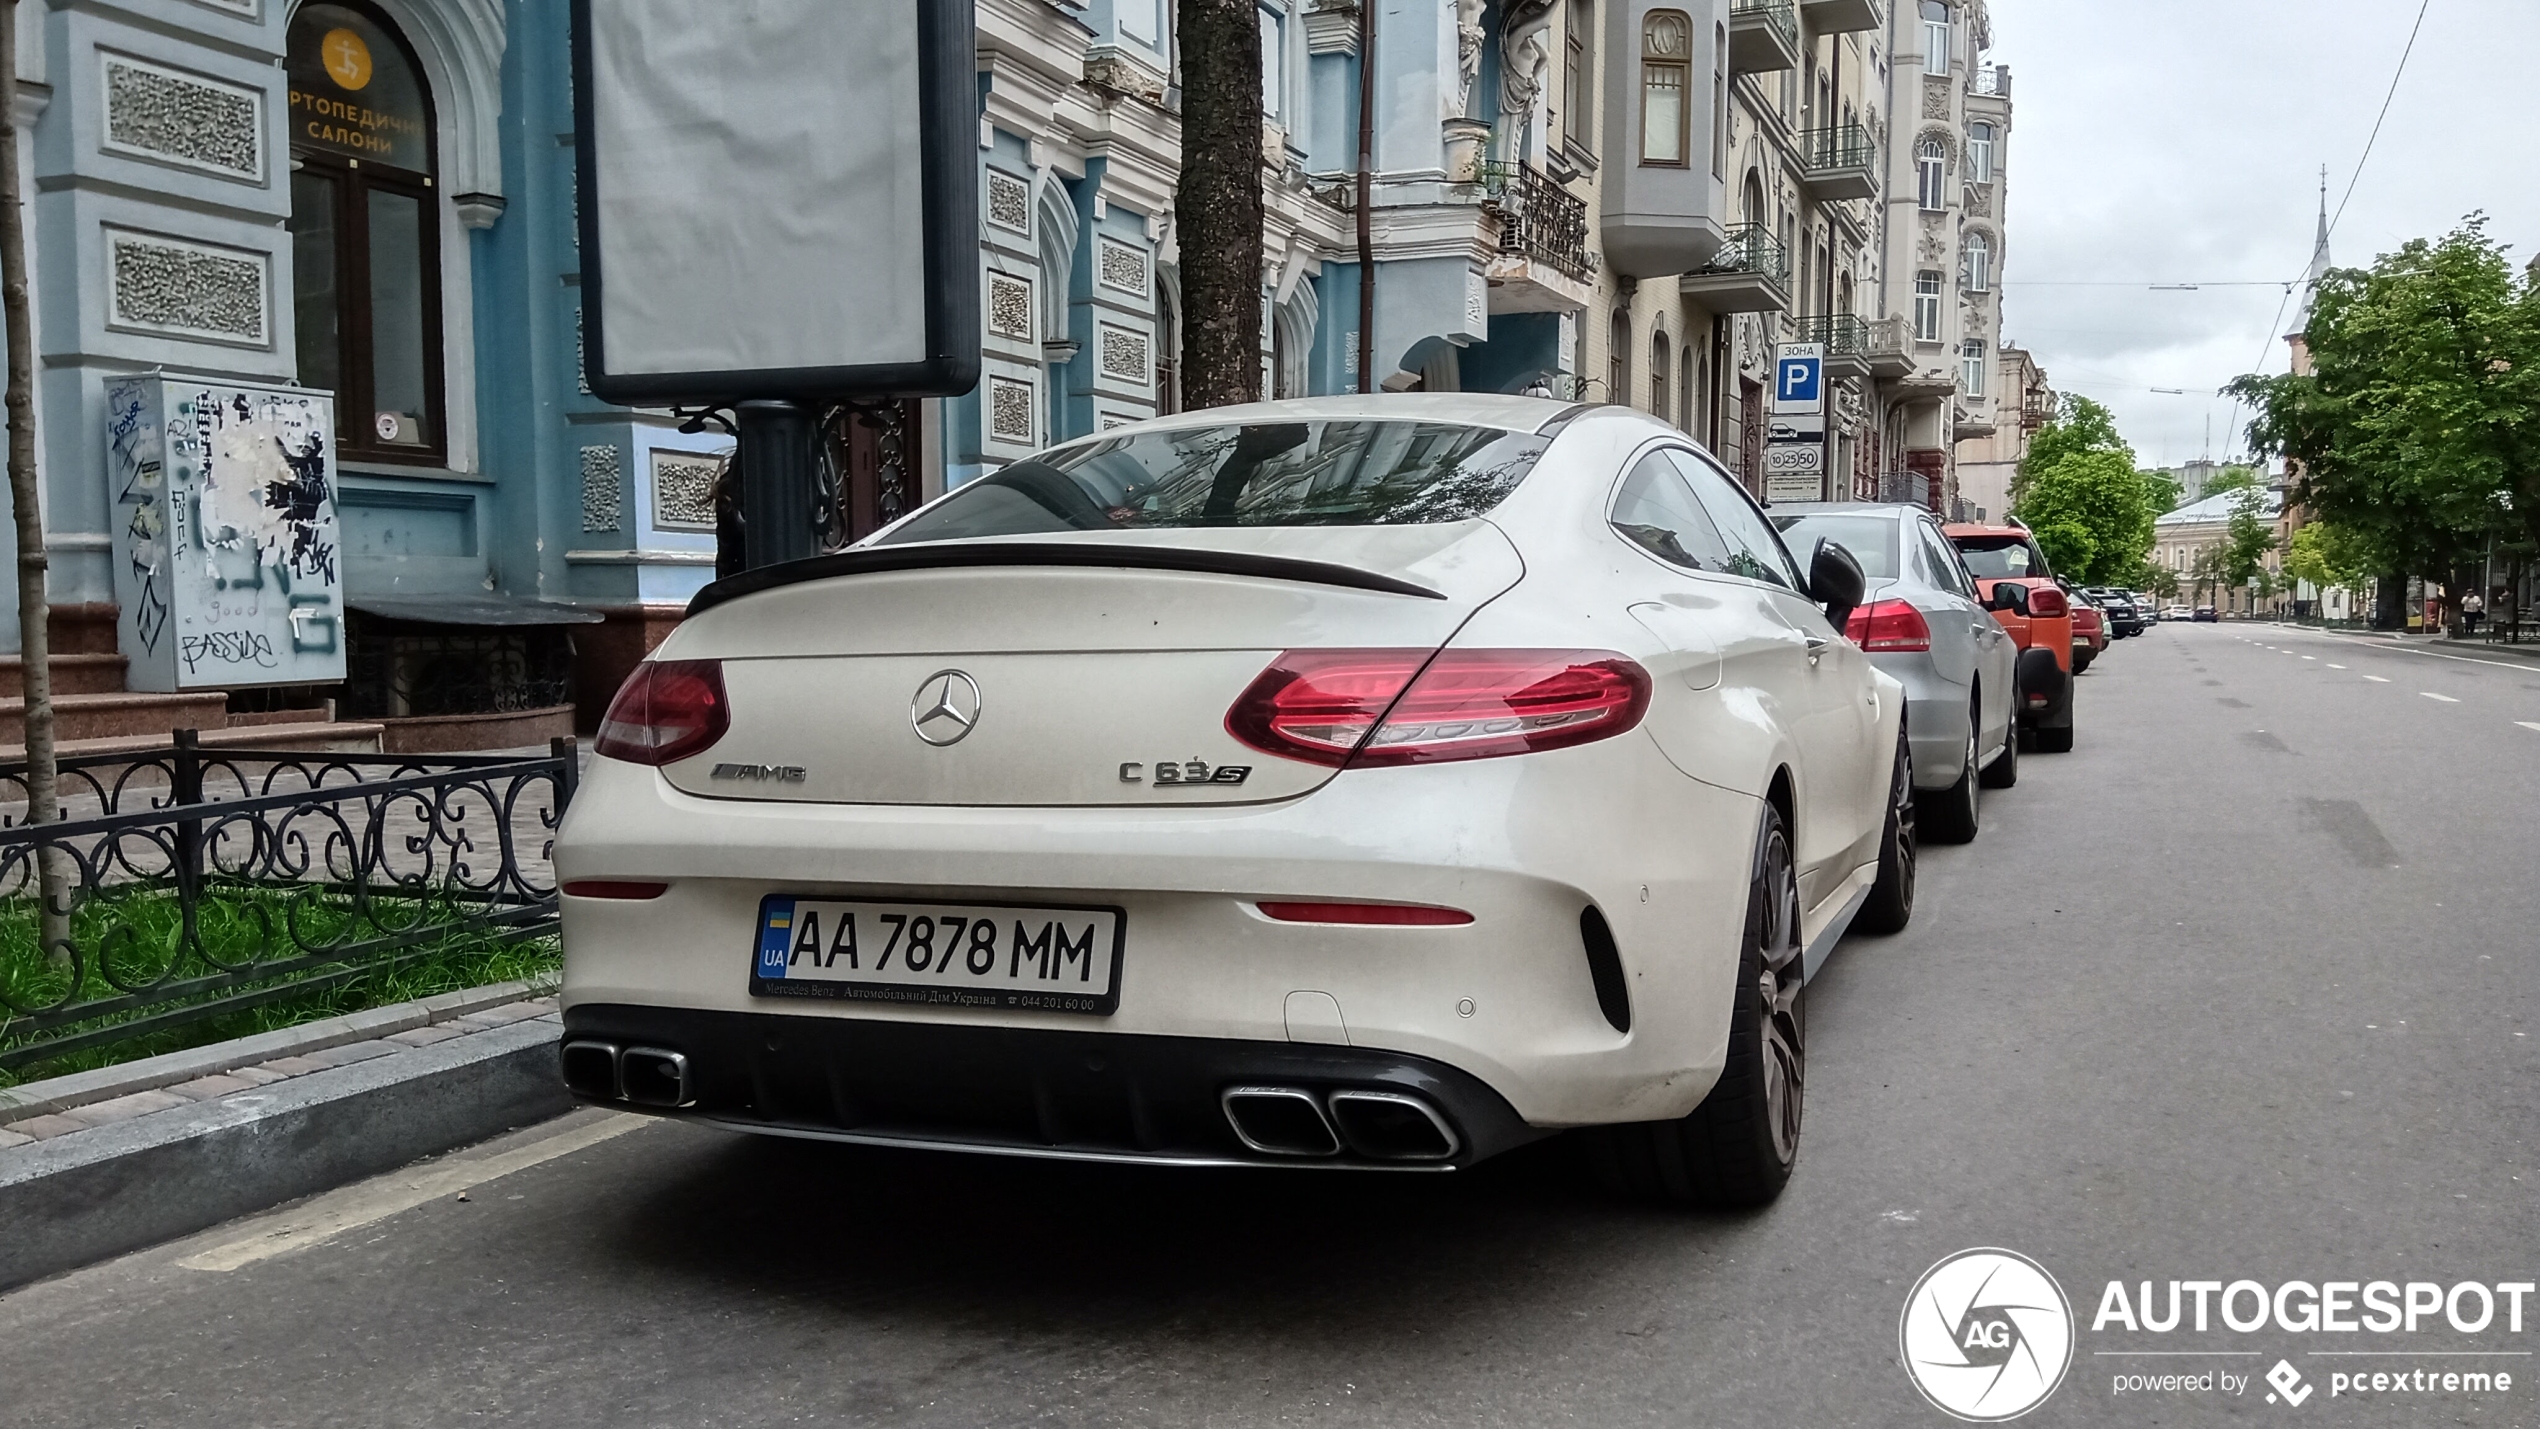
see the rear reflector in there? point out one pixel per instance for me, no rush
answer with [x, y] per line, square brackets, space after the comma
[1375, 707]
[1888, 625]
[1395, 915]
[613, 888]
[666, 711]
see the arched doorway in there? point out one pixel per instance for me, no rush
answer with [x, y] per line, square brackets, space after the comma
[365, 233]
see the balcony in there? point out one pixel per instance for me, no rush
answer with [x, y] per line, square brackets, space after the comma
[1840, 17]
[1763, 36]
[1883, 345]
[1543, 263]
[1839, 161]
[2037, 408]
[1845, 338]
[1749, 274]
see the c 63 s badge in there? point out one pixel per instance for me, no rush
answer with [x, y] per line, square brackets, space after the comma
[1190, 771]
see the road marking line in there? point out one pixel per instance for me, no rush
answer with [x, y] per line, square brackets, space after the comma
[2447, 699]
[2430, 654]
[2337, 667]
[2310, 657]
[2526, 724]
[2377, 679]
[376, 1200]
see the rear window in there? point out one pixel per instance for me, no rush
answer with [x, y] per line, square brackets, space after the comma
[1358, 473]
[1870, 539]
[1994, 558]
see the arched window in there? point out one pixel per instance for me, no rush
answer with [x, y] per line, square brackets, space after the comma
[1666, 78]
[1927, 306]
[1659, 367]
[1979, 263]
[1980, 137]
[1618, 358]
[1684, 385]
[1843, 295]
[365, 232]
[1936, 41]
[1751, 199]
[1931, 170]
[1971, 367]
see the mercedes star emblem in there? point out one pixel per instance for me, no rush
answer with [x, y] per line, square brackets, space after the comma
[946, 708]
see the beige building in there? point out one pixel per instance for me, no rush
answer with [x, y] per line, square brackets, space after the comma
[2014, 404]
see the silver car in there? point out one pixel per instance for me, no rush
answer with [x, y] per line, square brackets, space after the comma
[1923, 623]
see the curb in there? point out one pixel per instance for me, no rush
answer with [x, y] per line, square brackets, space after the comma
[112, 1189]
[78, 1089]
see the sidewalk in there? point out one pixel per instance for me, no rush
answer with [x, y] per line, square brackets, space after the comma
[2526, 653]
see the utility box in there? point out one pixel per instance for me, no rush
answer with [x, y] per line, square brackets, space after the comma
[228, 562]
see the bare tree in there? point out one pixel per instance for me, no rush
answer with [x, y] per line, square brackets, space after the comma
[35, 644]
[1217, 208]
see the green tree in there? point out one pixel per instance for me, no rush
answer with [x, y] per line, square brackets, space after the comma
[2249, 536]
[2161, 489]
[2417, 431]
[2324, 554]
[2096, 501]
[2161, 581]
[2081, 426]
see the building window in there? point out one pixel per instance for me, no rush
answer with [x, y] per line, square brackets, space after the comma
[1936, 43]
[1980, 136]
[1666, 75]
[1927, 306]
[1931, 169]
[365, 233]
[1979, 262]
[1577, 69]
[1720, 101]
[1659, 365]
[1684, 386]
[1618, 358]
[1273, 64]
[1971, 367]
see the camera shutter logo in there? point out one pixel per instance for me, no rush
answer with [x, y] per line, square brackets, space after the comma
[1986, 1335]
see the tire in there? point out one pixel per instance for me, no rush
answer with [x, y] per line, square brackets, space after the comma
[1735, 1150]
[1891, 903]
[2004, 771]
[2055, 741]
[2081, 661]
[1952, 815]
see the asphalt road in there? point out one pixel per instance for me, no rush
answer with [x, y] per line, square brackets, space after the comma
[2244, 988]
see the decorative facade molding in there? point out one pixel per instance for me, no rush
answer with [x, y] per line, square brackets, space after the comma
[603, 499]
[155, 112]
[461, 44]
[183, 288]
[683, 489]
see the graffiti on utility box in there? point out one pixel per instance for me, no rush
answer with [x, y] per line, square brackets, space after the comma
[228, 560]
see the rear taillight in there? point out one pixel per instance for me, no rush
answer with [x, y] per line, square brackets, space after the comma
[666, 711]
[1371, 707]
[2046, 603]
[1888, 625]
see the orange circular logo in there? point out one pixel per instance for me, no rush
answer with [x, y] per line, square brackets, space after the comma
[346, 58]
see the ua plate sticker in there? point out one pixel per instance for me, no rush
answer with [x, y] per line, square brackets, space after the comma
[993, 955]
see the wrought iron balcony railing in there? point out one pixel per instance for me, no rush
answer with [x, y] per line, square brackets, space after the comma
[1774, 14]
[1842, 334]
[1838, 146]
[1751, 248]
[1540, 220]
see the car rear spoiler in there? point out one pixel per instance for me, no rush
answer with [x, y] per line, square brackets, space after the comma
[951, 555]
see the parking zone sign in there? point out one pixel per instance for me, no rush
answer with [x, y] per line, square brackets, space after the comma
[1799, 378]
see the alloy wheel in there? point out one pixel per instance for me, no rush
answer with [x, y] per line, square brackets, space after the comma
[1777, 991]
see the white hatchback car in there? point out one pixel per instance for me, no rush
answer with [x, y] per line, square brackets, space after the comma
[1379, 782]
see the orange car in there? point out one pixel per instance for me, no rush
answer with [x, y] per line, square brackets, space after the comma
[2019, 588]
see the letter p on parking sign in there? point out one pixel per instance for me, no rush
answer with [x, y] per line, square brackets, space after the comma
[1799, 370]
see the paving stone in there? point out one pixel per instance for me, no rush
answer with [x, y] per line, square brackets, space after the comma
[282, 1067]
[476, 1022]
[350, 1053]
[425, 1036]
[10, 1138]
[125, 1108]
[42, 1128]
[203, 1089]
[254, 1076]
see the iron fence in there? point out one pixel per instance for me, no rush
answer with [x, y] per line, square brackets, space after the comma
[1540, 219]
[186, 883]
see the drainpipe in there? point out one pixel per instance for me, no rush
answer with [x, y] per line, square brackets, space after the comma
[1366, 195]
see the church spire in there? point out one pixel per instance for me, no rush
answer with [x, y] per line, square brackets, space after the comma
[2319, 266]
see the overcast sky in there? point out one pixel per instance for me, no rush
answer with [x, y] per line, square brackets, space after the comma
[2180, 141]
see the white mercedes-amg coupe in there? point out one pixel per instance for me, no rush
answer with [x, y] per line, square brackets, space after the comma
[1372, 782]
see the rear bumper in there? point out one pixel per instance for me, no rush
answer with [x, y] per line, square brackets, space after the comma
[1074, 1095]
[2040, 674]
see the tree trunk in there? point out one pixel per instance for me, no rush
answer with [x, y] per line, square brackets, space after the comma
[35, 646]
[1217, 207]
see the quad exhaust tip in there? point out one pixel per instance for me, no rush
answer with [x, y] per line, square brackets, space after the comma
[1379, 1126]
[646, 1076]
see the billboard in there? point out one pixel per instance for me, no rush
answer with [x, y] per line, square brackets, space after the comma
[777, 198]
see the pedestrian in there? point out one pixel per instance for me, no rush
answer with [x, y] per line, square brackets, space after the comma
[2471, 609]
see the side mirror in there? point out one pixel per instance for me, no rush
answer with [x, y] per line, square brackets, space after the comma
[2008, 595]
[1836, 581]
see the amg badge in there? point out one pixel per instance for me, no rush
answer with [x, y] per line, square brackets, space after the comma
[762, 773]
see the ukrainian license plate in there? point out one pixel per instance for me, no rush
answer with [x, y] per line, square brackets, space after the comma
[989, 955]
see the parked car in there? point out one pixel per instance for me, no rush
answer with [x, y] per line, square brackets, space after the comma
[2177, 612]
[2205, 615]
[1923, 623]
[2090, 629]
[2125, 618]
[2020, 589]
[1366, 782]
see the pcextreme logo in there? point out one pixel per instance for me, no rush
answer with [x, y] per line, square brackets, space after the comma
[1986, 1335]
